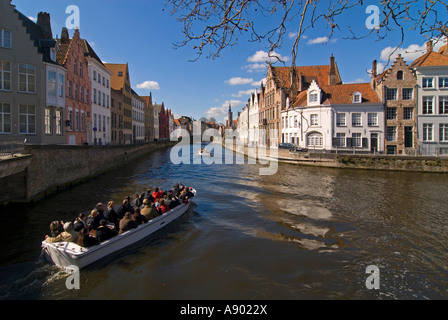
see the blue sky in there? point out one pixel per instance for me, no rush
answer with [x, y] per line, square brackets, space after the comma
[142, 33]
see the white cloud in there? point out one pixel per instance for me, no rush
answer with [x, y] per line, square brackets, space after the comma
[293, 35]
[263, 56]
[258, 83]
[255, 67]
[243, 93]
[409, 54]
[32, 19]
[318, 40]
[237, 81]
[220, 112]
[149, 85]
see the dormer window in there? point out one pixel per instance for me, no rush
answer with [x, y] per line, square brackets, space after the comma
[314, 94]
[357, 97]
[400, 75]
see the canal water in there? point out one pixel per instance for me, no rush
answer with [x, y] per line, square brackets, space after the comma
[304, 233]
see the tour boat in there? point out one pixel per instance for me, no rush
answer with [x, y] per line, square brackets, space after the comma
[204, 152]
[69, 254]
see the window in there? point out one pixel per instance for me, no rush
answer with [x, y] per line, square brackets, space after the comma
[87, 96]
[104, 99]
[315, 140]
[391, 94]
[75, 89]
[400, 75]
[59, 118]
[61, 85]
[120, 74]
[80, 69]
[69, 86]
[391, 113]
[5, 118]
[428, 105]
[408, 93]
[295, 121]
[99, 123]
[77, 120]
[314, 98]
[373, 119]
[427, 132]
[408, 113]
[5, 39]
[52, 84]
[428, 83]
[81, 94]
[391, 134]
[443, 132]
[94, 75]
[95, 121]
[356, 140]
[104, 123]
[443, 82]
[27, 78]
[70, 119]
[5, 75]
[107, 83]
[94, 95]
[75, 67]
[99, 77]
[340, 140]
[443, 105]
[314, 120]
[356, 120]
[83, 121]
[27, 119]
[99, 97]
[48, 117]
[357, 98]
[108, 98]
[340, 119]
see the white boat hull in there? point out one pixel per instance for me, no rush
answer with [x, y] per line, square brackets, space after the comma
[68, 254]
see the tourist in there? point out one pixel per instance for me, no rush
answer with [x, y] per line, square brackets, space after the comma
[100, 209]
[123, 208]
[104, 232]
[93, 220]
[157, 194]
[56, 228]
[150, 211]
[111, 215]
[80, 222]
[68, 235]
[138, 217]
[163, 207]
[86, 240]
[127, 223]
[174, 201]
[135, 200]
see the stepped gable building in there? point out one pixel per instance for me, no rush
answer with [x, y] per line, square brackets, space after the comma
[122, 96]
[283, 86]
[100, 130]
[32, 84]
[149, 118]
[71, 56]
[431, 70]
[397, 88]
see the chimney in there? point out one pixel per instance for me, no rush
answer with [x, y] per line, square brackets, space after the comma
[43, 20]
[64, 36]
[429, 46]
[332, 73]
[374, 74]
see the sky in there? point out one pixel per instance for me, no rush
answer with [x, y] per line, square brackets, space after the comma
[143, 34]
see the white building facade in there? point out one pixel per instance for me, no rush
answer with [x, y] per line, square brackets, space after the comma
[337, 118]
[138, 118]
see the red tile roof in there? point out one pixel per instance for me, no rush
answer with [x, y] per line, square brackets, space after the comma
[308, 73]
[430, 59]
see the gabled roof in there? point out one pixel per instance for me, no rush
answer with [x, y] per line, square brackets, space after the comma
[89, 52]
[341, 94]
[117, 82]
[320, 74]
[430, 59]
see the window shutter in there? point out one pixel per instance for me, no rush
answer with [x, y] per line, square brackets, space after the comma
[365, 143]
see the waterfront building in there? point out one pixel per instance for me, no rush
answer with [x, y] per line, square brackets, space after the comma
[163, 122]
[71, 56]
[120, 84]
[32, 84]
[149, 118]
[431, 70]
[157, 108]
[253, 137]
[138, 118]
[100, 131]
[170, 123]
[397, 88]
[243, 125]
[283, 86]
[335, 118]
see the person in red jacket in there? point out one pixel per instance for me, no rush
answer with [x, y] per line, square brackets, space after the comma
[165, 208]
[157, 194]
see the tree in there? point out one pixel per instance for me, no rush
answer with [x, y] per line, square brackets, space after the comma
[214, 25]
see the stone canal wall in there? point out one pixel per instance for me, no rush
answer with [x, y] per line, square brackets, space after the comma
[368, 162]
[51, 168]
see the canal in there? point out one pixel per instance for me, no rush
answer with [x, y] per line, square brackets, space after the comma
[303, 233]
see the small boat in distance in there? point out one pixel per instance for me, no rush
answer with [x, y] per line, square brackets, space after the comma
[68, 254]
[204, 152]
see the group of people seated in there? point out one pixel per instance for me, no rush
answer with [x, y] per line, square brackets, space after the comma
[103, 223]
